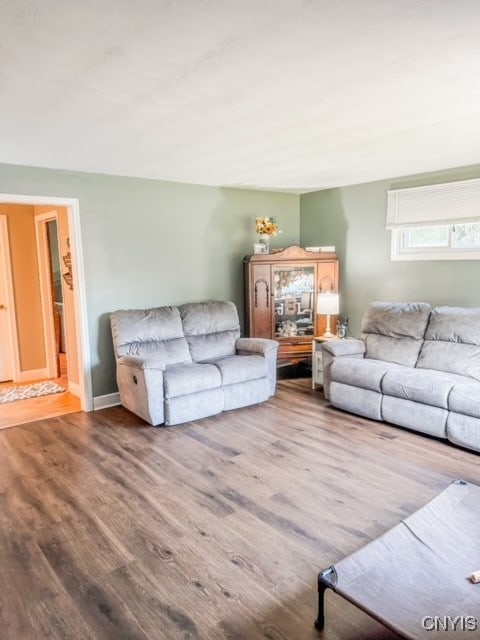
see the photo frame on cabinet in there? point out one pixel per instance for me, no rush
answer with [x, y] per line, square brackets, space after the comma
[258, 247]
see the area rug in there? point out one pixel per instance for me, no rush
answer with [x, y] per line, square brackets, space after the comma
[23, 392]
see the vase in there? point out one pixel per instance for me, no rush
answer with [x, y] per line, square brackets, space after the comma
[265, 240]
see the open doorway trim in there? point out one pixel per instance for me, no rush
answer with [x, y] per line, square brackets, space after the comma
[81, 318]
[6, 266]
[45, 290]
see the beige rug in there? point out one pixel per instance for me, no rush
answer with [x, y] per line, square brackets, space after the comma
[26, 391]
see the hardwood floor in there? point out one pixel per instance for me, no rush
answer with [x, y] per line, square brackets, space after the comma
[110, 529]
[57, 404]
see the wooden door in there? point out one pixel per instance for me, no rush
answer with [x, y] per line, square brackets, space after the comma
[6, 337]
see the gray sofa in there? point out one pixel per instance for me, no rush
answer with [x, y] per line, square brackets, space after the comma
[176, 364]
[415, 367]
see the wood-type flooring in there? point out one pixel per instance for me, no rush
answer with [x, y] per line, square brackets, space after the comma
[55, 404]
[112, 529]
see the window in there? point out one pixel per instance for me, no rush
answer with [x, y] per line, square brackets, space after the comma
[442, 242]
[436, 222]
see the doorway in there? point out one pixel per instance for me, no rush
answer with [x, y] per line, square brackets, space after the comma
[56, 291]
[53, 299]
[58, 261]
[7, 334]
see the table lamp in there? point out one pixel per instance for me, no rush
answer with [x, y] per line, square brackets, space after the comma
[328, 305]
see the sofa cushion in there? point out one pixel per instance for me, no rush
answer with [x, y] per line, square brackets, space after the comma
[236, 369]
[465, 398]
[389, 349]
[452, 341]
[454, 324]
[183, 379]
[394, 332]
[451, 357]
[246, 393]
[145, 332]
[464, 431]
[424, 386]
[415, 415]
[211, 329]
[397, 319]
[359, 372]
[194, 406]
[365, 402]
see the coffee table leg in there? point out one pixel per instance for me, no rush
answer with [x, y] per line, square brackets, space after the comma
[326, 580]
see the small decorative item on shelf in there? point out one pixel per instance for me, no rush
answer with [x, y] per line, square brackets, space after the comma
[266, 227]
[259, 247]
[67, 261]
[342, 328]
[290, 306]
[287, 329]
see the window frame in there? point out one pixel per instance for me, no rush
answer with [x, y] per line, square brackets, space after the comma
[399, 252]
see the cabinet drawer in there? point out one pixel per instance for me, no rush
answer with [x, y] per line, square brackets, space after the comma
[295, 346]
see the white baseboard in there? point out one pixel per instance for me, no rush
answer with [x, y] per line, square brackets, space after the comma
[108, 400]
[32, 374]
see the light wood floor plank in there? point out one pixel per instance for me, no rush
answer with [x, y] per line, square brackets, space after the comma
[55, 404]
[114, 530]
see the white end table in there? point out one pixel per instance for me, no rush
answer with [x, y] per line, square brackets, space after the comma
[317, 360]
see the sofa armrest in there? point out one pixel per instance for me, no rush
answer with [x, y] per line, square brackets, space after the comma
[141, 362]
[140, 384]
[256, 345]
[334, 349]
[350, 347]
[261, 347]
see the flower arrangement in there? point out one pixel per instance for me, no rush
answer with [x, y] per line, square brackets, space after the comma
[267, 226]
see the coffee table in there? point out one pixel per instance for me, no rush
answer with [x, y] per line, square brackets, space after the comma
[416, 577]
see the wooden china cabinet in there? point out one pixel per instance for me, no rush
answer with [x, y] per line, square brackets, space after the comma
[281, 295]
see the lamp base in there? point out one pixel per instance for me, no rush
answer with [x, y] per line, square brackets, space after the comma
[328, 334]
[328, 330]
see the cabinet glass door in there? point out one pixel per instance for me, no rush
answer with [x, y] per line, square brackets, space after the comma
[293, 288]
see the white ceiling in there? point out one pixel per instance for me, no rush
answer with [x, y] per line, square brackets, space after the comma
[292, 95]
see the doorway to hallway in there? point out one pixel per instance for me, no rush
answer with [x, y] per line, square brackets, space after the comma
[55, 310]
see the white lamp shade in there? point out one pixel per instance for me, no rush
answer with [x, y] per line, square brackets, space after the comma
[328, 304]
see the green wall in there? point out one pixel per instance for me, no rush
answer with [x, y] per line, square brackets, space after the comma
[353, 219]
[148, 243]
[151, 243]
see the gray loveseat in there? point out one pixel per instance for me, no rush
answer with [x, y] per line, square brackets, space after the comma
[415, 367]
[176, 364]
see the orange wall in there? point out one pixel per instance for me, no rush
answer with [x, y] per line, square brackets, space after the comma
[26, 285]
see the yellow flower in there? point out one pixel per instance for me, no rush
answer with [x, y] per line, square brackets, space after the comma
[267, 226]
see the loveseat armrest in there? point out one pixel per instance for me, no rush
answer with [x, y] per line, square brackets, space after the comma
[350, 347]
[261, 347]
[140, 384]
[256, 345]
[334, 349]
[141, 362]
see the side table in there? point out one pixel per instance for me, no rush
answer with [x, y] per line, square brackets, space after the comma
[317, 360]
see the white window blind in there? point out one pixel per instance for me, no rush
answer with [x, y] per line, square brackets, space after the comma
[449, 203]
